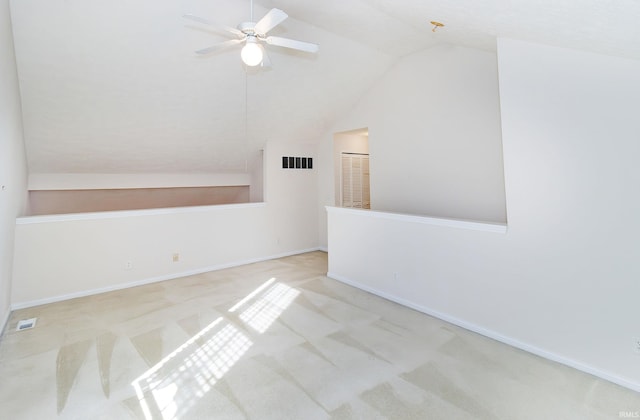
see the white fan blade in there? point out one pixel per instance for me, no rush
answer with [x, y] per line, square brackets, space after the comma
[266, 61]
[272, 19]
[292, 43]
[219, 46]
[198, 19]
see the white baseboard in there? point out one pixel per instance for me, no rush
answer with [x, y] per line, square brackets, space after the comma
[323, 249]
[59, 298]
[493, 335]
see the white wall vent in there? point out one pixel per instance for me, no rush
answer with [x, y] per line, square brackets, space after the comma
[26, 324]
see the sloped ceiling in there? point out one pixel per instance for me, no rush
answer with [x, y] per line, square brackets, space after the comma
[113, 86]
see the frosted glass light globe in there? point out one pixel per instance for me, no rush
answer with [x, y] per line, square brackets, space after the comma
[251, 53]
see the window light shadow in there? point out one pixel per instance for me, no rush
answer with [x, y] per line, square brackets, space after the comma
[263, 312]
[174, 385]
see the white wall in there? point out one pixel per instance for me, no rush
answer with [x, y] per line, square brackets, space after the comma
[434, 127]
[563, 282]
[63, 256]
[256, 188]
[13, 180]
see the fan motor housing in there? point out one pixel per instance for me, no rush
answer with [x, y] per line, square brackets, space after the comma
[248, 28]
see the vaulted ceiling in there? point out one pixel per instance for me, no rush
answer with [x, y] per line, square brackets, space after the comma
[113, 86]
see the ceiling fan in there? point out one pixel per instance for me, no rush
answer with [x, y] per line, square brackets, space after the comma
[253, 34]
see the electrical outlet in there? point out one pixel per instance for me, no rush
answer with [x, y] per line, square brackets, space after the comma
[636, 344]
[176, 257]
[128, 265]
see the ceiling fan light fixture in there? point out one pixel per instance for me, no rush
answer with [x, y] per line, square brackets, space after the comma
[252, 35]
[251, 53]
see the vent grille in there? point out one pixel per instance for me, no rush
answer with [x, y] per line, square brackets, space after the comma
[26, 324]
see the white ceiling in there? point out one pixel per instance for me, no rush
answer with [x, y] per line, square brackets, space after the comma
[113, 86]
[397, 27]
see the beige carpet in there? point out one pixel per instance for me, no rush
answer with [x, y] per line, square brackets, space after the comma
[276, 340]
